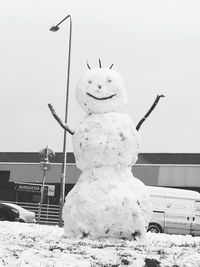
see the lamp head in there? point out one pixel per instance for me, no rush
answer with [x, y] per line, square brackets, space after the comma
[54, 29]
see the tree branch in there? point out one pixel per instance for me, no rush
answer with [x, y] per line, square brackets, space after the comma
[63, 125]
[149, 111]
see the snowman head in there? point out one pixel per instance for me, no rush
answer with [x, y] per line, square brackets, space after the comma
[101, 90]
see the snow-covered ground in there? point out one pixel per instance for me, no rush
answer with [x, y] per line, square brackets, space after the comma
[35, 245]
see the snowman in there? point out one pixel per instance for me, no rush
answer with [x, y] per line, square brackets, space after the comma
[107, 200]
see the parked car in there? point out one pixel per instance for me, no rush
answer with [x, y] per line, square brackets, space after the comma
[8, 213]
[175, 211]
[23, 214]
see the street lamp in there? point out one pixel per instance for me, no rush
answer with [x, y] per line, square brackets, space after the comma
[45, 153]
[63, 171]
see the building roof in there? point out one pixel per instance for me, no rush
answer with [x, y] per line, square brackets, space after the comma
[169, 158]
[143, 158]
[33, 157]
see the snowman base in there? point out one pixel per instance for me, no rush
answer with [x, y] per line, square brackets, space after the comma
[107, 202]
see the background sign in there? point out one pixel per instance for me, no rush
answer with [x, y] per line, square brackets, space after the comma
[51, 190]
[35, 188]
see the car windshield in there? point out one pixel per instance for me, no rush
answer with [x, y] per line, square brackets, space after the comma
[14, 206]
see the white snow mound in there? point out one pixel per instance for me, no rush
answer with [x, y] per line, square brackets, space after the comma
[106, 139]
[107, 202]
[101, 90]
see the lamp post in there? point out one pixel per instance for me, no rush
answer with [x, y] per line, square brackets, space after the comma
[63, 170]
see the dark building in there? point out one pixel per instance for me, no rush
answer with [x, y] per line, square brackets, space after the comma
[21, 174]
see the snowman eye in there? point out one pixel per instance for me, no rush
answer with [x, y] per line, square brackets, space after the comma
[109, 80]
[90, 81]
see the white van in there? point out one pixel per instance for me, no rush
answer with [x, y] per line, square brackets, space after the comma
[175, 211]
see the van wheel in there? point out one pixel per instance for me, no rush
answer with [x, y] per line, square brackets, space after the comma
[154, 228]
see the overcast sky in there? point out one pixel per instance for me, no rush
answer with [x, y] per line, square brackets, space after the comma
[155, 45]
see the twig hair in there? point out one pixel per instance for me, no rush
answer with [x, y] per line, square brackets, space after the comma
[88, 65]
[111, 66]
[99, 63]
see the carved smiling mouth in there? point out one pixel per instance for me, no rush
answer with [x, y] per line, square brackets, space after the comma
[101, 98]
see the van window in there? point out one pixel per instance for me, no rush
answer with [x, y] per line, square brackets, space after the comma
[178, 204]
[158, 202]
[197, 207]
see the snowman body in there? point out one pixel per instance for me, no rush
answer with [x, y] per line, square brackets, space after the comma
[106, 139]
[107, 201]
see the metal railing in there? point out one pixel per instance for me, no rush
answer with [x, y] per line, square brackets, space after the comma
[49, 213]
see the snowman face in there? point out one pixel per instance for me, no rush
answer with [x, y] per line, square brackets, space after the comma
[101, 90]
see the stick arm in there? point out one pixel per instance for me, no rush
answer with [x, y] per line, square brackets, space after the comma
[149, 111]
[63, 125]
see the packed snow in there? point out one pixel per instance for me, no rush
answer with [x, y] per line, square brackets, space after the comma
[108, 139]
[45, 246]
[101, 90]
[107, 201]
